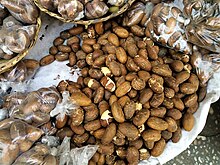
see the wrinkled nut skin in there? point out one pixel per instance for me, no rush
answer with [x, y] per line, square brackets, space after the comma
[141, 117]
[128, 130]
[151, 135]
[132, 155]
[158, 148]
[117, 112]
[77, 116]
[109, 134]
[188, 121]
[157, 123]
[92, 125]
[123, 89]
[129, 109]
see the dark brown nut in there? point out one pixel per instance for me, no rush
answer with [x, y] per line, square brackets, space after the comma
[47, 60]
[142, 62]
[62, 56]
[109, 134]
[109, 48]
[172, 125]
[77, 116]
[73, 40]
[110, 58]
[98, 96]
[136, 143]
[128, 130]
[85, 72]
[137, 30]
[156, 86]
[188, 88]
[166, 135]
[188, 121]
[110, 159]
[95, 157]
[149, 144]
[144, 75]
[191, 100]
[87, 48]
[117, 112]
[17, 129]
[178, 103]
[174, 113]
[75, 47]
[194, 80]
[132, 50]
[158, 112]
[180, 95]
[143, 52]
[92, 125]
[169, 93]
[81, 63]
[132, 93]
[89, 41]
[151, 135]
[99, 61]
[145, 95]
[76, 30]
[182, 76]
[157, 100]
[98, 134]
[96, 46]
[177, 135]
[108, 84]
[53, 50]
[65, 35]
[121, 55]
[112, 99]
[58, 41]
[152, 52]
[162, 70]
[113, 39]
[132, 155]
[80, 99]
[91, 113]
[61, 122]
[121, 152]
[79, 139]
[144, 154]
[123, 101]
[138, 84]
[72, 59]
[106, 149]
[121, 32]
[103, 106]
[120, 81]
[129, 110]
[115, 68]
[77, 129]
[131, 65]
[193, 108]
[119, 141]
[123, 89]
[158, 148]
[91, 83]
[168, 103]
[130, 76]
[64, 132]
[123, 69]
[141, 117]
[171, 82]
[202, 93]
[177, 65]
[99, 28]
[64, 49]
[157, 123]
[95, 73]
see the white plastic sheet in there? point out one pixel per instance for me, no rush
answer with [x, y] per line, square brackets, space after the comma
[57, 71]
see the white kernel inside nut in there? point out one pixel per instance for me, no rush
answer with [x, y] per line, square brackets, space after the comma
[143, 150]
[115, 138]
[106, 116]
[91, 81]
[105, 70]
[109, 81]
[138, 106]
[141, 128]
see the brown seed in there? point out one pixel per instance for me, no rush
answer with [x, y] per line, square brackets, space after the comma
[132, 155]
[129, 110]
[144, 154]
[137, 30]
[95, 73]
[130, 76]
[178, 103]
[60, 122]
[89, 41]
[166, 135]
[79, 139]
[123, 101]
[115, 68]
[92, 125]
[144, 75]
[138, 84]
[87, 48]
[188, 121]
[80, 99]
[158, 148]
[157, 100]
[156, 86]
[117, 112]
[188, 88]
[172, 125]
[77, 116]
[72, 59]
[158, 112]
[108, 84]
[157, 123]
[91, 112]
[141, 117]
[62, 56]
[58, 41]
[136, 143]
[174, 113]
[99, 133]
[202, 93]
[132, 50]
[77, 129]
[128, 130]
[177, 65]
[64, 132]
[123, 89]
[182, 76]
[76, 30]
[177, 135]
[169, 93]
[152, 52]
[151, 135]
[121, 32]
[47, 60]
[64, 49]
[121, 55]
[53, 50]
[162, 70]
[142, 62]
[131, 65]
[109, 134]
[73, 40]
[112, 38]
[99, 28]
[106, 149]
[98, 96]
[112, 99]
[191, 100]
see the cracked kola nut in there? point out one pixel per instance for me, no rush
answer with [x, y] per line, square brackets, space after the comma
[95, 9]
[108, 84]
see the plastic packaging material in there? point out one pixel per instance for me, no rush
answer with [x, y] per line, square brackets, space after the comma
[65, 107]
[16, 137]
[71, 9]
[166, 26]
[96, 9]
[204, 27]
[23, 10]
[37, 155]
[75, 156]
[17, 78]
[206, 64]
[36, 107]
[51, 141]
